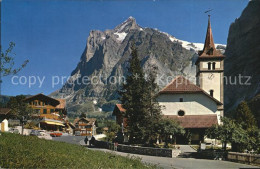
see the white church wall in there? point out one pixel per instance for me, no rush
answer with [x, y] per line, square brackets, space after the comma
[212, 83]
[193, 104]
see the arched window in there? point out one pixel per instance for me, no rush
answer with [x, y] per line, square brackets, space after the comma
[211, 93]
[213, 65]
[209, 65]
[181, 113]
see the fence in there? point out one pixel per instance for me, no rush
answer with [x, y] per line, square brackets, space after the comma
[162, 152]
[244, 158]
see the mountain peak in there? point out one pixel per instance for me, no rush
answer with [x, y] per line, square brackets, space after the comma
[131, 19]
[127, 25]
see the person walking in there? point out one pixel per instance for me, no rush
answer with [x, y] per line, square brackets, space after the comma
[92, 141]
[86, 140]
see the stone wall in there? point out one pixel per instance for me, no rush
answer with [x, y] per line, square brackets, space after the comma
[161, 152]
[244, 158]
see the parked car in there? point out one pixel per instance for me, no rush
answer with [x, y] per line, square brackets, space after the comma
[54, 134]
[35, 133]
[45, 136]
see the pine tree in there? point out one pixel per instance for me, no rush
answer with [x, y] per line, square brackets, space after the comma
[244, 116]
[153, 109]
[132, 98]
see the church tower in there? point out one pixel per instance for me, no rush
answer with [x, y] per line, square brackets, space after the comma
[210, 69]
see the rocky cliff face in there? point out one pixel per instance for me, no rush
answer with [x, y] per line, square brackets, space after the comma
[105, 60]
[243, 56]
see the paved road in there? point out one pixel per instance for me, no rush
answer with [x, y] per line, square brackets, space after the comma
[186, 149]
[184, 163]
[167, 163]
[69, 139]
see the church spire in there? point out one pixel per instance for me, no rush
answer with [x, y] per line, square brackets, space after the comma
[209, 46]
[209, 42]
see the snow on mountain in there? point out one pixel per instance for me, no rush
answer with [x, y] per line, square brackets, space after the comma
[121, 36]
[188, 45]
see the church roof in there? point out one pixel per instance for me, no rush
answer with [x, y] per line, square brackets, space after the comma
[195, 121]
[182, 85]
[209, 50]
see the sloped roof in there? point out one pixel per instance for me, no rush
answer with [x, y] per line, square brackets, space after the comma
[43, 97]
[180, 85]
[118, 109]
[195, 121]
[90, 121]
[183, 85]
[4, 111]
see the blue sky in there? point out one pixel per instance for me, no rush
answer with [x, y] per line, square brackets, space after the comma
[52, 34]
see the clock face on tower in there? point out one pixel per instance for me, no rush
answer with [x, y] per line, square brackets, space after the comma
[211, 76]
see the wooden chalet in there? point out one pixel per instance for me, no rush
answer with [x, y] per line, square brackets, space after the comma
[51, 111]
[86, 126]
[119, 112]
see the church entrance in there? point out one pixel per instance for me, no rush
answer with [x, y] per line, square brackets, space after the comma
[191, 136]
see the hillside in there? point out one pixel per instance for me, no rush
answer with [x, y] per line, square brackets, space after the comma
[19, 151]
[242, 56]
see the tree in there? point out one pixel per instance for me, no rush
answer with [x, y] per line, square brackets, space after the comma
[229, 132]
[83, 115]
[132, 98]
[254, 105]
[113, 129]
[152, 106]
[19, 108]
[7, 63]
[168, 127]
[244, 116]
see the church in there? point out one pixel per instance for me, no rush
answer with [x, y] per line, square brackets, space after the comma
[196, 106]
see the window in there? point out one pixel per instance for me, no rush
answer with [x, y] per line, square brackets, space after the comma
[211, 93]
[181, 99]
[44, 111]
[181, 113]
[52, 110]
[209, 66]
[43, 103]
[213, 65]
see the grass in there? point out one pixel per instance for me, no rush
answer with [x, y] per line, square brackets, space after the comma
[17, 151]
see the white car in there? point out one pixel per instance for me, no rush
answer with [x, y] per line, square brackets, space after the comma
[45, 136]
